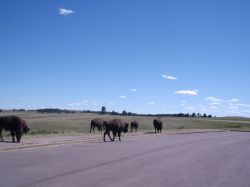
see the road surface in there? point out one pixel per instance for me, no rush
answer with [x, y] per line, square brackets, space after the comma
[198, 159]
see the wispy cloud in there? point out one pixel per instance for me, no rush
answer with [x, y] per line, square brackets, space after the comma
[123, 97]
[213, 99]
[75, 104]
[213, 107]
[243, 105]
[134, 90]
[84, 103]
[183, 103]
[215, 103]
[187, 92]
[169, 77]
[217, 100]
[151, 103]
[189, 108]
[65, 12]
[234, 100]
[233, 107]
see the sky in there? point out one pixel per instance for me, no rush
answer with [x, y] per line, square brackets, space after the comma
[143, 56]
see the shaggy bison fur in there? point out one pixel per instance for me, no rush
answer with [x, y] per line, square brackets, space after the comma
[134, 125]
[116, 126]
[15, 125]
[157, 125]
[96, 123]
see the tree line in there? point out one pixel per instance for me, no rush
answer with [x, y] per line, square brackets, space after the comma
[123, 113]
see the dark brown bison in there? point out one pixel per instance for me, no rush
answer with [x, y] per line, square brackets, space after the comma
[134, 125]
[157, 125]
[116, 126]
[96, 123]
[15, 125]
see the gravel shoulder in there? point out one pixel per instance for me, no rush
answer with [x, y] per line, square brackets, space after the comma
[44, 141]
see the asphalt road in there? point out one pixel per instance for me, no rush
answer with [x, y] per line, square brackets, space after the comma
[199, 159]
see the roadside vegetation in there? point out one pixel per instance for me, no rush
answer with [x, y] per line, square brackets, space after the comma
[75, 123]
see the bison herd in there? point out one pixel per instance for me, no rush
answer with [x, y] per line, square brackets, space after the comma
[18, 126]
[117, 126]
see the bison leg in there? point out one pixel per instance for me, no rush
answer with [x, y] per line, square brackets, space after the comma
[18, 137]
[105, 135]
[110, 136]
[99, 129]
[13, 136]
[114, 135]
[119, 135]
[1, 135]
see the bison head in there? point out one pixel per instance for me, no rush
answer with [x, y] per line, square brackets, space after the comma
[25, 127]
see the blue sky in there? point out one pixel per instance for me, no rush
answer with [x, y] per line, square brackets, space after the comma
[135, 55]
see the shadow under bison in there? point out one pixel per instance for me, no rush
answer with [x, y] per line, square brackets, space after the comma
[116, 126]
[15, 125]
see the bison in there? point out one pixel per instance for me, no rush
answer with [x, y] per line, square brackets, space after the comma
[117, 126]
[96, 123]
[15, 125]
[134, 125]
[157, 125]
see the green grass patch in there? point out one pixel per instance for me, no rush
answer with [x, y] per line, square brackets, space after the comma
[80, 122]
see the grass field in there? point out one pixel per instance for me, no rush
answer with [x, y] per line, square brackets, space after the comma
[54, 123]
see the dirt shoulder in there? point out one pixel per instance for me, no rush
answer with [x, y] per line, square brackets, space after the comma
[45, 141]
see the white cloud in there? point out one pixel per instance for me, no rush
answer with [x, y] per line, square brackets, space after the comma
[75, 104]
[169, 77]
[189, 108]
[213, 107]
[65, 12]
[234, 100]
[134, 90]
[233, 107]
[151, 103]
[243, 105]
[123, 97]
[187, 92]
[213, 99]
[183, 103]
[246, 111]
[215, 103]
[84, 103]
